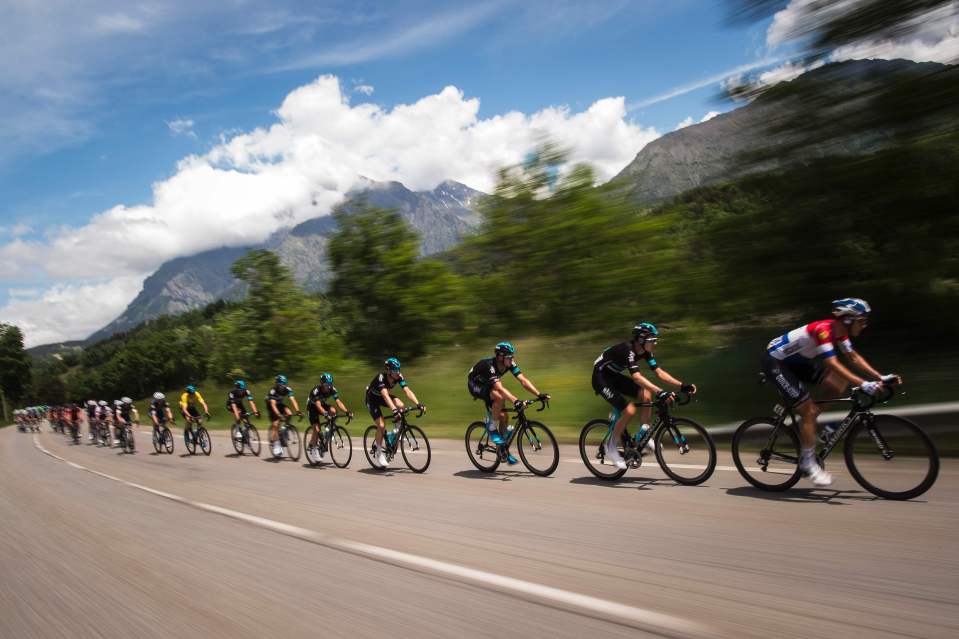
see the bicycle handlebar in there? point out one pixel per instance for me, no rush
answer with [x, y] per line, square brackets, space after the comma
[410, 409]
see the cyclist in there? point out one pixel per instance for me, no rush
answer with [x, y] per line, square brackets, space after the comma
[614, 387]
[807, 355]
[91, 416]
[104, 415]
[484, 382]
[277, 410]
[318, 407]
[378, 396]
[126, 413]
[234, 403]
[188, 401]
[160, 412]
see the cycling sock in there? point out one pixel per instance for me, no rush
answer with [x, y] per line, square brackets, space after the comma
[807, 456]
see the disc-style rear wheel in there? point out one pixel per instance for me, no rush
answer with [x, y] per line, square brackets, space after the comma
[416, 449]
[685, 452]
[592, 448]
[891, 457]
[482, 452]
[766, 459]
[537, 448]
[340, 447]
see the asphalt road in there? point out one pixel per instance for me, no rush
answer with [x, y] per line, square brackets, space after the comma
[227, 546]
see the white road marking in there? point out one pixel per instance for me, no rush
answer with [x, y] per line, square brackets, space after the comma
[602, 609]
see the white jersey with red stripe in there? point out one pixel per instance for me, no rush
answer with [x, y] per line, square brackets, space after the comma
[817, 339]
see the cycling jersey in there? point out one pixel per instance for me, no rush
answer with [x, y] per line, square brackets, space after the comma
[382, 381]
[485, 372]
[158, 407]
[126, 412]
[621, 358]
[808, 342]
[278, 393]
[322, 393]
[191, 400]
[236, 396]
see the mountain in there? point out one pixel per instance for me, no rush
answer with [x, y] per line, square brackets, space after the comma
[820, 113]
[441, 216]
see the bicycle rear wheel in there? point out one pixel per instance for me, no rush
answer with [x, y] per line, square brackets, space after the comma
[891, 457]
[369, 440]
[537, 448]
[482, 452]
[189, 440]
[767, 462]
[292, 442]
[312, 460]
[158, 441]
[685, 452]
[129, 443]
[236, 437]
[592, 448]
[252, 439]
[204, 440]
[416, 449]
[340, 447]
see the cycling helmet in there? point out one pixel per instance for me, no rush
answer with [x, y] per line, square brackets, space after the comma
[102, 403]
[504, 348]
[158, 396]
[117, 402]
[191, 389]
[126, 400]
[281, 379]
[240, 384]
[326, 379]
[645, 331]
[91, 402]
[850, 308]
[392, 365]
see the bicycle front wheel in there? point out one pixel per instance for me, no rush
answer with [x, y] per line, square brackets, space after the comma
[891, 457]
[292, 442]
[369, 440]
[482, 452]
[168, 440]
[416, 449]
[340, 447]
[538, 449]
[252, 439]
[685, 452]
[157, 441]
[767, 457]
[203, 439]
[592, 448]
[130, 443]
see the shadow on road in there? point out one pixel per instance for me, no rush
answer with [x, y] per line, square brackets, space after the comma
[496, 475]
[641, 483]
[821, 495]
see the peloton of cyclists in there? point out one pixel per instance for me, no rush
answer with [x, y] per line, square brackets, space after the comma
[378, 396]
[484, 382]
[807, 355]
[615, 387]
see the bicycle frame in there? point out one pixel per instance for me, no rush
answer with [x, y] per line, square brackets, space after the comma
[521, 421]
[390, 448]
[664, 419]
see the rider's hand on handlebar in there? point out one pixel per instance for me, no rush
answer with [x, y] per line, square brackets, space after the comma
[421, 408]
[207, 415]
[396, 412]
[891, 379]
[543, 397]
[518, 404]
[299, 414]
[689, 389]
[665, 396]
[870, 388]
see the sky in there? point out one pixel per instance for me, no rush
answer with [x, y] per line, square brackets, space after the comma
[134, 132]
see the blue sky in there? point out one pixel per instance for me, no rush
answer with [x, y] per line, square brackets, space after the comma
[133, 132]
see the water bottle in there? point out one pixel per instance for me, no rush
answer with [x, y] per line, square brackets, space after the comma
[828, 431]
[641, 433]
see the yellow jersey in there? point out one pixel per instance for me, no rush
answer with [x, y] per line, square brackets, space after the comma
[191, 400]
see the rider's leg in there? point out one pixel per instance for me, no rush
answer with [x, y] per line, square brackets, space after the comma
[625, 416]
[498, 401]
[808, 412]
[645, 412]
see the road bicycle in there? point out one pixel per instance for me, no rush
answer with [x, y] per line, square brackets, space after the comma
[198, 435]
[103, 433]
[162, 439]
[408, 439]
[127, 438]
[534, 441]
[684, 449]
[331, 438]
[889, 456]
[243, 434]
[289, 437]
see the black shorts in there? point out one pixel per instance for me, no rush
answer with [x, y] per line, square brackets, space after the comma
[192, 411]
[315, 415]
[375, 404]
[790, 378]
[615, 388]
[273, 414]
[480, 390]
[239, 407]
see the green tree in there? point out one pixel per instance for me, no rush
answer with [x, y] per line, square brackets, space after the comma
[389, 300]
[15, 369]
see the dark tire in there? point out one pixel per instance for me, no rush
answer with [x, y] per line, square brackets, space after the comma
[189, 440]
[340, 447]
[168, 440]
[252, 439]
[416, 449]
[912, 467]
[129, 443]
[778, 469]
[482, 452]
[236, 437]
[292, 444]
[369, 439]
[204, 440]
[307, 434]
[700, 452]
[592, 449]
[537, 448]
[157, 440]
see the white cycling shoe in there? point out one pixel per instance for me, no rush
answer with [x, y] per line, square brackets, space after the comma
[277, 451]
[381, 460]
[613, 456]
[817, 475]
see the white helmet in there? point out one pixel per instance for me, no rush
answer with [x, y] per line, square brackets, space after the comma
[158, 396]
[117, 402]
[102, 403]
[126, 400]
[851, 308]
[91, 402]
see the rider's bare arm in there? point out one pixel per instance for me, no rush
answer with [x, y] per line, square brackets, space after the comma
[528, 385]
[666, 377]
[409, 393]
[860, 362]
[385, 394]
[339, 402]
[296, 406]
[498, 386]
[835, 366]
[645, 383]
[319, 406]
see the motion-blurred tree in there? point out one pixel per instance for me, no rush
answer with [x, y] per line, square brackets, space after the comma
[14, 366]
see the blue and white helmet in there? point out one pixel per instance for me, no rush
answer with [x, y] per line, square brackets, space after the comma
[851, 307]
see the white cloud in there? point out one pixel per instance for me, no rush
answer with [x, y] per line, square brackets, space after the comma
[118, 23]
[181, 126]
[365, 89]
[255, 182]
[688, 121]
